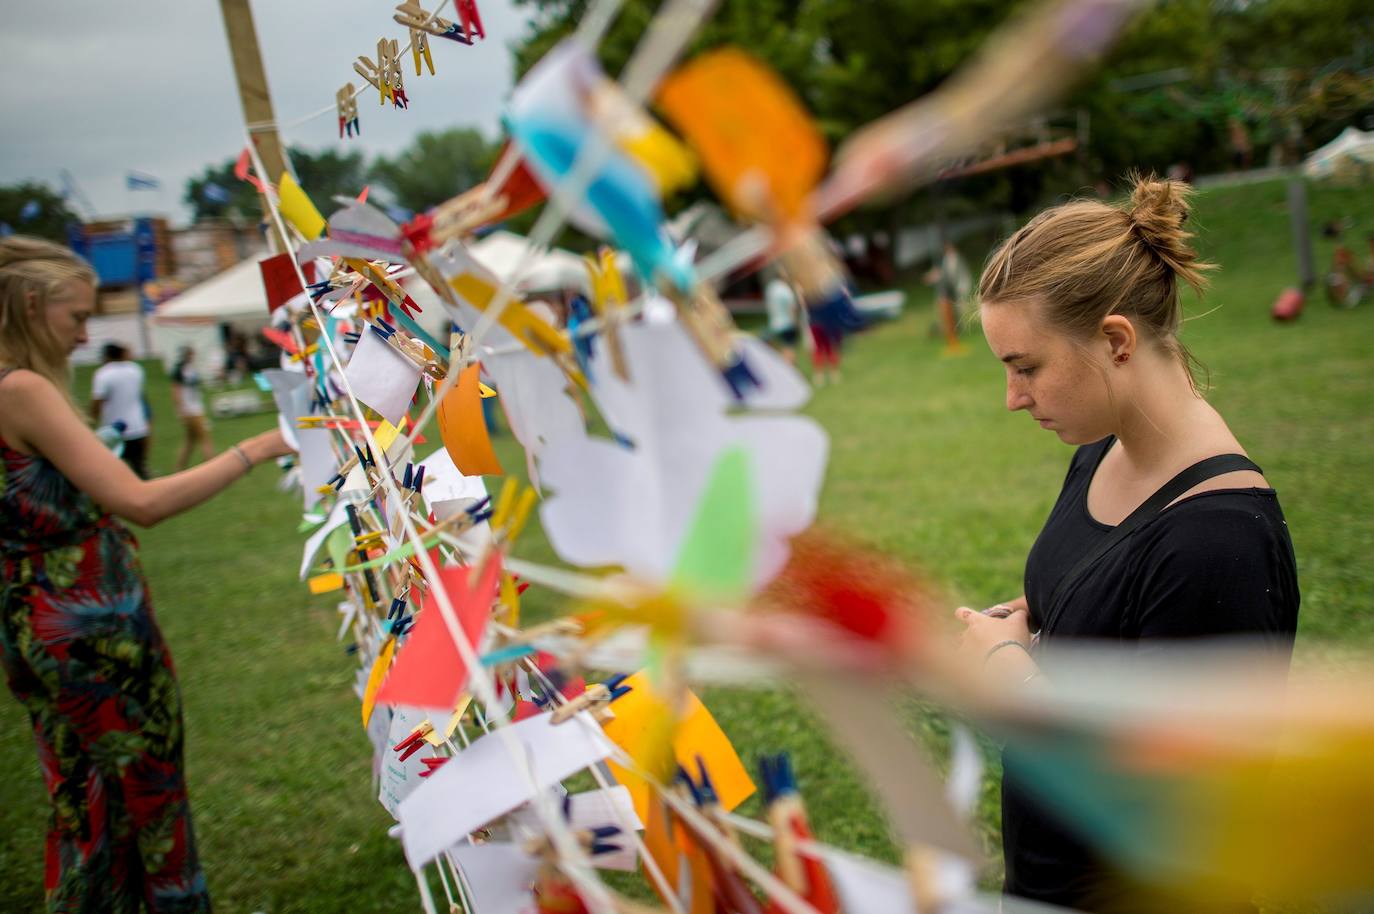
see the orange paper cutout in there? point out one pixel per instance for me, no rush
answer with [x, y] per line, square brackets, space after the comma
[759, 147]
[697, 734]
[464, 430]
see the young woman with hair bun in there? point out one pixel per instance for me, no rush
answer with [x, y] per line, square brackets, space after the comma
[1163, 529]
[78, 641]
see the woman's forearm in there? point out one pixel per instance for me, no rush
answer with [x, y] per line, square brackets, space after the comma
[169, 495]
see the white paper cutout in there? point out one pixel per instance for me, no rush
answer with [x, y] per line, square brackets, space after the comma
[613, 505]
[292, 392]
[500, 876]
[381, 377]
[481, 784]
[338, 515]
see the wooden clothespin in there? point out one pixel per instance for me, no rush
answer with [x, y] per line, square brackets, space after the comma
[385, 75]
[595, 700]
[708, 323]
[470, 18]
[511, 512]
[419, 49]
[804, 874]
[412, 15]
[923, 874]
[608, 301]
[347, 104]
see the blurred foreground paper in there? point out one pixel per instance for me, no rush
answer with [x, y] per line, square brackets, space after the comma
[483, 782]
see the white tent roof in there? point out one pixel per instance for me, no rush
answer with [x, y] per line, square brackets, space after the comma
[1353, 145]
[235, 294]
[555, 269]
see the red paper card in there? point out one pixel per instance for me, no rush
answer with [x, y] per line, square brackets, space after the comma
[429, 672]
[280, 281]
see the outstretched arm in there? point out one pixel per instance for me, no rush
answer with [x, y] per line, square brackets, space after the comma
[35, 412]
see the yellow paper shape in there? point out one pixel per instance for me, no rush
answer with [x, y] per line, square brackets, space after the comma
[641, 711]
[464, 430]
[326, 583]
[669, 164]
[760, 148]
[528, 327]
[386, 433]
[298, 209]
[374, 678]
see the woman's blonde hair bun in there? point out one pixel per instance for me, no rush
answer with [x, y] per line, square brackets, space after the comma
[1158, 213]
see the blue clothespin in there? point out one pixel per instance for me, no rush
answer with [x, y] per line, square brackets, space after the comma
[364, 456]
[776, 773]
[454, 33]
[402, 625]
[405, 481]
[599, 835]
[352, 648]
[398, 608]
[613, 685]
[419, 478]
[352, 337]
[318, 289]
[685, 779]
[740, 377]
[709, 797]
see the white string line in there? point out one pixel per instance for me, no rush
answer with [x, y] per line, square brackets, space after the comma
[262, 126]
[574, 861]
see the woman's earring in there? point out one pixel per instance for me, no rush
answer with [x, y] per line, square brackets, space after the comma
[1123, 358]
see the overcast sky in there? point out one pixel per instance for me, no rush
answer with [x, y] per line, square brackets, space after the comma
[147, 85]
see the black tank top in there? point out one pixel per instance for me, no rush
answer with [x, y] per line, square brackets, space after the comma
[1219, 563]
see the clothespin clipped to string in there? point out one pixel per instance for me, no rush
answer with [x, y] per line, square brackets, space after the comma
[419, 49]
[593, 840]
[411, 15]
[391, 289]
[804, 874]
[711, 869]
[595, 699]
[305, 353]
[607, 289]
[432, 764]
[470, 18]
[347, 104]
[385, 75]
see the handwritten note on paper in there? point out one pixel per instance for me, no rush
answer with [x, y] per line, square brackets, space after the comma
[400, 779]
[381, 377]
[484, 782]
[500, 877]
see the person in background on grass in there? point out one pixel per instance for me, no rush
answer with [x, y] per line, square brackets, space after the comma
[1082, 308]
[79, 643]
[780, 301]
[117, 400]
[190, 407]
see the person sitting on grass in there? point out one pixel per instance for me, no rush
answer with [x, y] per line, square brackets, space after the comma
[1082, 307]
[79, 643]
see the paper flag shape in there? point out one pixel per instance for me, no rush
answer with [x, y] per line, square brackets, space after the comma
[477, 286]
[500, 876]
[381, 377]
[479, 784]
[298, 209]
[761, 150]
[464, 430]
[380, 667]
[279, 279]
[698, 734]
[716, 561]
[358, 230]
[429, 672]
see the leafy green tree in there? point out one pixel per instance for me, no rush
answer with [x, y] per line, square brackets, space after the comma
[435, 167]
[217, 193]
[32, 208]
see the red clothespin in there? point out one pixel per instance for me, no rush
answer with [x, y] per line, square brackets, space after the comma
[469, 18]
[414, 742]
[432, 764]
[348, 111]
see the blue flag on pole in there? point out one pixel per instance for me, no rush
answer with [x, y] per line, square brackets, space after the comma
[138, 181]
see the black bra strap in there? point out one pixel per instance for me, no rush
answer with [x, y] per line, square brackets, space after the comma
[1199, 472]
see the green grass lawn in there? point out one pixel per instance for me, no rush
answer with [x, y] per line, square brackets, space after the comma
[926, 465]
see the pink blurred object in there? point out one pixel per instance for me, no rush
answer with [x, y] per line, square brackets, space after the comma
[1288, 306]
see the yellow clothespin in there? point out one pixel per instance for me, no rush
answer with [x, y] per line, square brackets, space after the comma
[419, 47]
[608, 301]
[305, 353]
[595, 699]
[511, 512]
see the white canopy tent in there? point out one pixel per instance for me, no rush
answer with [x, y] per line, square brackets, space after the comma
[554, 270]
[1353, 149]
[193, 318]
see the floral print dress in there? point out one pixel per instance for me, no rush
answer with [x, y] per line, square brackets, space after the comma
[82, 652]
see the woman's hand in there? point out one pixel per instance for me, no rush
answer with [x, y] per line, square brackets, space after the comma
[983, 633]
[267, 446]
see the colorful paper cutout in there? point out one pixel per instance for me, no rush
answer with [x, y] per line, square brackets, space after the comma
[464, 429]
[297, 208]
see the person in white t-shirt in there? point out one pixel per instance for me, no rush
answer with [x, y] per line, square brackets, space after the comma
[190, 406]
[117, 401]
[781, 302]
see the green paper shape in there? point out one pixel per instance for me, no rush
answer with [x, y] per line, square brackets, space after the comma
[716, 558]
[338, 544]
